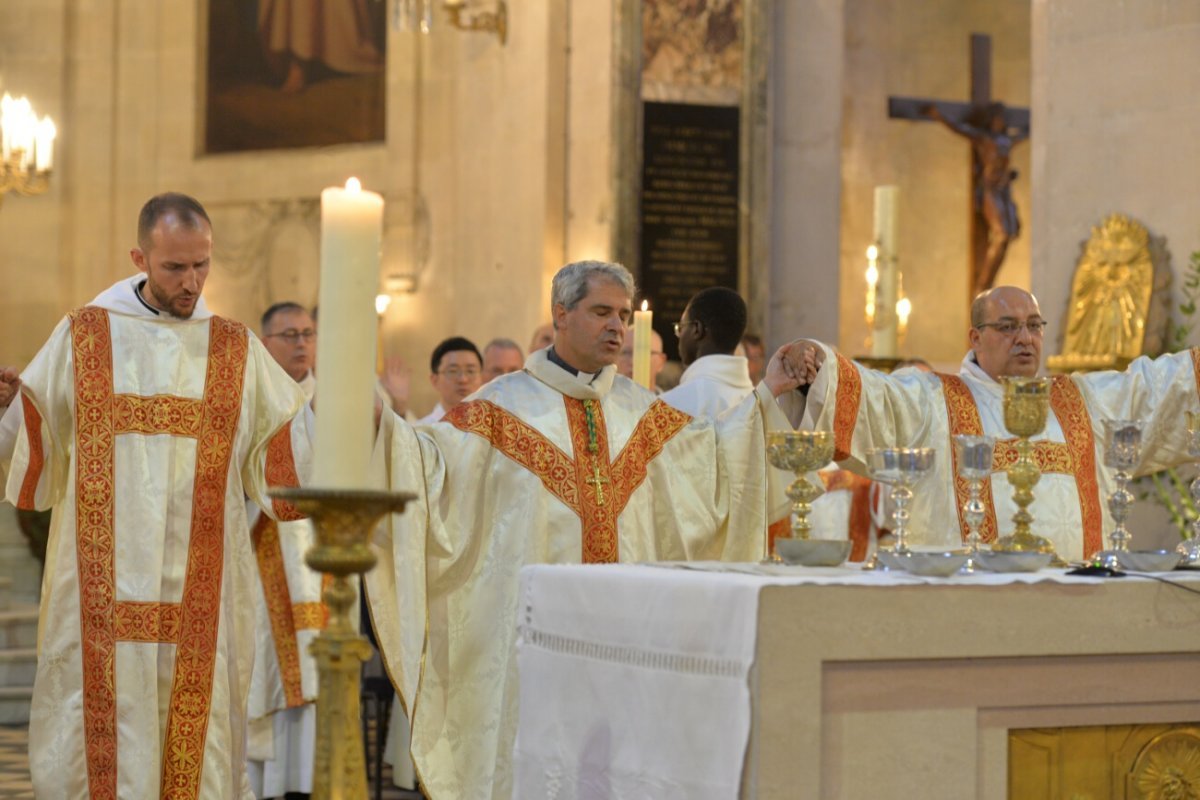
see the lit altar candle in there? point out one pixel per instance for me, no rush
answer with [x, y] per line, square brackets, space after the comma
[351, 239]
[883, 339]
[45, 144]
[642, 322]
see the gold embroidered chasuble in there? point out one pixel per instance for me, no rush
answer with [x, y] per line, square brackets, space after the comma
[540, 467]
[144, 435]
[866, 409]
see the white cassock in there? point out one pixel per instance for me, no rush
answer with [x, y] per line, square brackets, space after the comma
[144, 434]
[540, 466]
[710, 385]
[866, 409]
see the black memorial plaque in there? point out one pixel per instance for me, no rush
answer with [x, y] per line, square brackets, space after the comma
[689, 207]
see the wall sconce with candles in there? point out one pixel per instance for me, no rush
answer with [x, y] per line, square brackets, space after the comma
[417, 15]
[26, 148]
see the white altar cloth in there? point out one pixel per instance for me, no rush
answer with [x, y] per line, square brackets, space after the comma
[635, 680]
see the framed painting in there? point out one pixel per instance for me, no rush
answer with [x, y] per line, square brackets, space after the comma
[294, 73]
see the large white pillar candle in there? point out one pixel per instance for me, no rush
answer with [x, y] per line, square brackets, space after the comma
[351, 239]
[643, 323]
[883, 337]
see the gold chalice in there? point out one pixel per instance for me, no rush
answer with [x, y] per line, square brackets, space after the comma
[1026, 405]
[801, 452]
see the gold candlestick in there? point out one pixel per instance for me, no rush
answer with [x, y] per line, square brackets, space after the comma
[343, 519]
[1026, 406]
[801, 452]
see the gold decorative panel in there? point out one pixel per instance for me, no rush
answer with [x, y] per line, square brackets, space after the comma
[1123, 762]
[1111, 319]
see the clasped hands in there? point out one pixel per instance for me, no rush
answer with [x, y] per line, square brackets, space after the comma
[10, 384]
[794, 365]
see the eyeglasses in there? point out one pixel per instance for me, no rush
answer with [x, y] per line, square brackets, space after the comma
[1010, 327]
[454, 373]
[679, 326]
[291, 335]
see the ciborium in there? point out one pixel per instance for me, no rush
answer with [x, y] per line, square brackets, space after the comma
[1026, 406]
[343, 520]
[1190, 549]
[973, 461]
[901, 468]
[801, 452]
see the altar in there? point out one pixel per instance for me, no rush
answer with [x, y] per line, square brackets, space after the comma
[743, 681]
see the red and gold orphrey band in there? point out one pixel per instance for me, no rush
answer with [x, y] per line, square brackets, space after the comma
[849, 395]
[100, 416]
[1066, 402]
[1077, 457]
[963, 417]
[27, 497]
[574, 481]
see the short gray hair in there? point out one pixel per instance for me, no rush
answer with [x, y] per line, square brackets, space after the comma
[503, 344]
[571, 282]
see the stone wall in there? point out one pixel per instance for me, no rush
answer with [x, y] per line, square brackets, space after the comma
[497, 153]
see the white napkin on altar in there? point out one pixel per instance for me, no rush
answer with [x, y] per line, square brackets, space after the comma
[579, 696]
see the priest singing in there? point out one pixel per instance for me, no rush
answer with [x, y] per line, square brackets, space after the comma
[866, 409]
[144, 422]
[563, 462]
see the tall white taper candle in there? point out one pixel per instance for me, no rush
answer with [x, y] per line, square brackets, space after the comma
[643, 322]
[883, 340]
[351, 239]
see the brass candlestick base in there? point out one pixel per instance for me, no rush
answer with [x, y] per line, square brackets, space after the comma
[801, 452]
[1026, 405]
[343, 519]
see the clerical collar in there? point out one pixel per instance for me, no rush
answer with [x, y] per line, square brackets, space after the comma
[137, 292]
[554, 358]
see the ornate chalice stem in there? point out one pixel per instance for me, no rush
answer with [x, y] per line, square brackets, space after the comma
[1190, 549]
[1024, 475]
[343, 520]
[901, 497]
[1118, 505]
[973, 513]
[802, 493]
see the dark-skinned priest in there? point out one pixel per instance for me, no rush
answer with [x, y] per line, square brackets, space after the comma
[563, 462]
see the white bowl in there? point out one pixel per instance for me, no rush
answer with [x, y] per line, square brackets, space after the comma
[1149, 560]
[1013, 560]
[937, 564]
[813, 552]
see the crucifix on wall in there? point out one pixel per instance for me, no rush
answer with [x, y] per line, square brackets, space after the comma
[993, 130]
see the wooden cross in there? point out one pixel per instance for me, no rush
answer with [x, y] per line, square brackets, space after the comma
[597, 480]
[958, 116]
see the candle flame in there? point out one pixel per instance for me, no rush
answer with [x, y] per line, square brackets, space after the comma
[903, 309]
[382, 301]
[353, 185]
[872, 252]
[872, 275]
[645, 305]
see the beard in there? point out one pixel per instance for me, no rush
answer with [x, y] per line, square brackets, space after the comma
[175, 306]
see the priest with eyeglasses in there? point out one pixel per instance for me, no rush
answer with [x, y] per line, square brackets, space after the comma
[866, 409]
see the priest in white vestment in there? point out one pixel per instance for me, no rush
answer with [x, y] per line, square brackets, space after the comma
[866, 409]
[288, 610]
[563, 462]
[143, 422]
[709, 333]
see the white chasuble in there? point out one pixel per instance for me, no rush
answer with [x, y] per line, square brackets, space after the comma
[867, 409]
[540, 467]
[144, 434]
